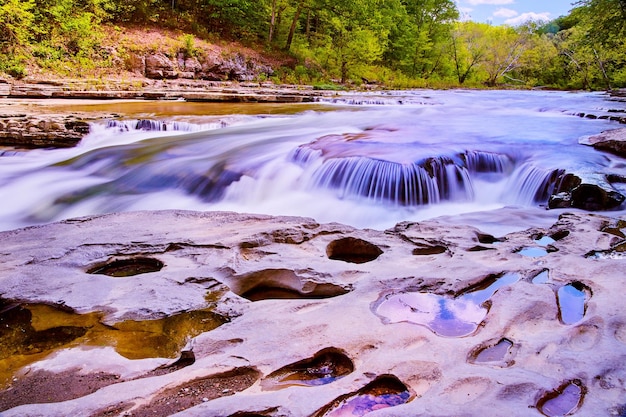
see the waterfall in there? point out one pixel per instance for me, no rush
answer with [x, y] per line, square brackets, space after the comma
[148, 125]
[487, 162]
[412, 184]
[531, 185]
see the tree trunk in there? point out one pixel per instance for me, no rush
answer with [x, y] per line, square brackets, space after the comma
[272, 22]
[604, 75]
[308, 25]
[294, 24]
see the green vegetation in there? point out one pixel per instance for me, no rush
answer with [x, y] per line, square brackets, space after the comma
[400, 43]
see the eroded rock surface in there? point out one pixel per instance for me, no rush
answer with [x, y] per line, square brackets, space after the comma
[315, 319]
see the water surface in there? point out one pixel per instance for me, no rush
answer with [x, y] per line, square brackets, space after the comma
[368, 162]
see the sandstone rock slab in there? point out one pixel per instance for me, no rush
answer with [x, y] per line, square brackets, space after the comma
[307, 303]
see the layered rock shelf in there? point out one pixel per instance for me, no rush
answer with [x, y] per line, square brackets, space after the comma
[225, 314]
[190, 90]
[32, 129]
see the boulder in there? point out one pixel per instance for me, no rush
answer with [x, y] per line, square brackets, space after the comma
[159, 66]
[587, 191]
[613, 141]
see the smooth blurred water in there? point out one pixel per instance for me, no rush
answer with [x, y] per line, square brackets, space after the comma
[279, 163]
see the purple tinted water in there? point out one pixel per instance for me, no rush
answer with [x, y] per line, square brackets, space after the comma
[480, 150]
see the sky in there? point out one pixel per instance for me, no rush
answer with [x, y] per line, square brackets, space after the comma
[512, 12]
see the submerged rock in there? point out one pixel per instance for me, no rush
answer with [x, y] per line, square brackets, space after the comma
[226, 314]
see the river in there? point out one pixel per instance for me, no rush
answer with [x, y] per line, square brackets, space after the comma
[370, 160]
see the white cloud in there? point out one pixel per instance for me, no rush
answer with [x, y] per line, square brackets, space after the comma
[525, 17]
[504, 12]
[496, 2]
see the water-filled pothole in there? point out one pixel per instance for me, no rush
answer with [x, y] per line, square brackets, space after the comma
[545, 245]
[498, 354]
[541, 278]
[127, 267]
[545, 241]
[353, 250]
[384, 392]
[445, 316]
[533, 251]
[572, 302]
[29, 332]
[563, 401]
[326, 366]
[282, 284]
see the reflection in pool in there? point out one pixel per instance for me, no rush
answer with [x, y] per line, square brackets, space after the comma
[445, 316]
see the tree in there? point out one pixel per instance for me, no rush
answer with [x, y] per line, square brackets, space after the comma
[469, 46]
[505, 47]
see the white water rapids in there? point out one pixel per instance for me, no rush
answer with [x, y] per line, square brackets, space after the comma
[368, 162]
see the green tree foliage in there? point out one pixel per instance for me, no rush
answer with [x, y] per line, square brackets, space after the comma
[468, 48]
[15, 20]
[415, 42]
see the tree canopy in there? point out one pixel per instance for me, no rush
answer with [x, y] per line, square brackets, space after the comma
[399, 42]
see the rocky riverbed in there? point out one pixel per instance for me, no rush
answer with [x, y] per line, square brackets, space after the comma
[26, 122]
[224, 314]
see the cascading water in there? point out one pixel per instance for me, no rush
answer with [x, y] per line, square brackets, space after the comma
[397, 156]
[533, 184]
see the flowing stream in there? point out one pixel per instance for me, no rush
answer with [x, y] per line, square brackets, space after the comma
[487, 158]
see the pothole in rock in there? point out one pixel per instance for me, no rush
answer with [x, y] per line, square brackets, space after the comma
[572, 302]
[127, 267]
[499, 354]
[563, 401]
[616, 252]
[545, 243]
[445, 316]
[384, 392]
[536, 251]
[282, 284]
[353, 250]
[542, 277]
[479, 248]
[29, 332]
[426, 249]
[186, 358]
[198, 391]
[615, 228]
[326, 366]
[41, 386]
[486, 239]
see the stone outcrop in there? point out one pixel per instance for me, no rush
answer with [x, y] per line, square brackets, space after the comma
[587, 191]
[22, 131]
[613, 141]
[158, 66]
[224, 314]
